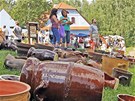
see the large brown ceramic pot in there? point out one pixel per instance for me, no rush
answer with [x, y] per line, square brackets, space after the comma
[63, 81]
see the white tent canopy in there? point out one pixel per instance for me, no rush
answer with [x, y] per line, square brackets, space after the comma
[5, 19]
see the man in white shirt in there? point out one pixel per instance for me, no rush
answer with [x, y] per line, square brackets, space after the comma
[94, 35]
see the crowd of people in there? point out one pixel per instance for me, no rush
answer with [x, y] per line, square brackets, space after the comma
[17, 33]
[114, 42]
[66, 38]
[61, 36]
[92, 40]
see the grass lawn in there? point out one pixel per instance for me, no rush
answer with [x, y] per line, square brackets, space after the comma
[108, 94]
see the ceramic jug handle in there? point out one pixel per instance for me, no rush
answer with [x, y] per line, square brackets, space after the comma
[39, 92]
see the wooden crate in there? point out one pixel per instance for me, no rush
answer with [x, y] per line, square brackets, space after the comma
[108, 63]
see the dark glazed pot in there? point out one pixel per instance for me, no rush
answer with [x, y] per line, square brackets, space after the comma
[23, 48]
[123, 76]
[41, 46]
[125, 97]
[12, 63]
[63, 81]
[10, 77]
[42, 54]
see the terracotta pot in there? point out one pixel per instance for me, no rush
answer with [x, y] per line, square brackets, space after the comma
[125, 97]
[59, 81]
[10, 77]
[13, 91]
[123, 76]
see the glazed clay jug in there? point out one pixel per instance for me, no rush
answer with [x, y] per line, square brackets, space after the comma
[62, 81]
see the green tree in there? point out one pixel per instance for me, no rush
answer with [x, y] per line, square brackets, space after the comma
[29, 10]
[113, 16]
[7, 5]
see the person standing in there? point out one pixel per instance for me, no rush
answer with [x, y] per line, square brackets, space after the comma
[18, 32]
[55, 27]
[94, 35]
[6, 32]
[65, 20]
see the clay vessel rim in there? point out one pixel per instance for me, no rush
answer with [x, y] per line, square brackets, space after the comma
[9, 75]
[18, 82]
[125, 95]
[123, 71]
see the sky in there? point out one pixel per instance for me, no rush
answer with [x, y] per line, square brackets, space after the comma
[89, 0]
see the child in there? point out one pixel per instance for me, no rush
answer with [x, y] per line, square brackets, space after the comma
[76, 44]
[92, 44]
[46, 37]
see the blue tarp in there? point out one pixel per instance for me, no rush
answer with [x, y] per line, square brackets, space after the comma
[82, 35]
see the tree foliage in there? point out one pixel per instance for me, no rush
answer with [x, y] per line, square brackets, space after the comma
[29, 10]
[113, 16]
